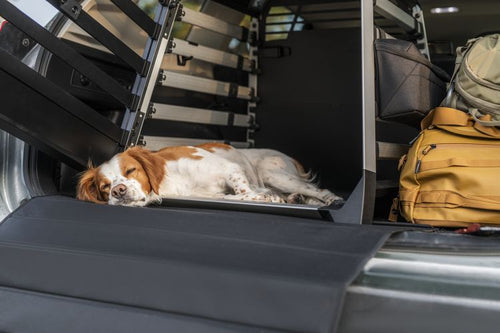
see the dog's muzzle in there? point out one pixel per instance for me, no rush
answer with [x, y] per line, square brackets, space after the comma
[119, 191]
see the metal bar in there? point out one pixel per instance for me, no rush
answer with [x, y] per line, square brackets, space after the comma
[344, 15]
[422, 42]
[137, 15]
[64, 52]
[368, 87]
[101, 34]
[158, 142]
[214, 56]
[39, 112]
[368, 113]
[325, 25]
[295, 17]
[322, 8]
[166, 15]
[391, 151]
[214, 24]
[305, 211]
[331, 19]
[198, 116]
[291, 23]
[253, 80]
[393, 12]
[199, 84]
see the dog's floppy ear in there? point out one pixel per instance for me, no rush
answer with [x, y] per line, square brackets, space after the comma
[153, 165]
[87, 187]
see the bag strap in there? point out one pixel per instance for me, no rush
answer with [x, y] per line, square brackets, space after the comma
[461, 54]
[445, 116]
[475, 114]
[451, 97]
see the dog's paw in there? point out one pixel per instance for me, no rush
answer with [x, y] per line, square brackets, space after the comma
[328, 197]
[337, 204]
[295, 198]
[276, 198]
[264, 197]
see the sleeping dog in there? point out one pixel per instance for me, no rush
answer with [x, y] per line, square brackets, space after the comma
[138, 177]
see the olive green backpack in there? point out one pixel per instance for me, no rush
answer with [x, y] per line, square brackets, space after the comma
[475, 85]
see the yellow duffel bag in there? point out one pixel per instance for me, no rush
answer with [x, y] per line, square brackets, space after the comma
[451, 174]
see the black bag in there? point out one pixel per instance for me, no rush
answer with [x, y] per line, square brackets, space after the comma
[408, 85]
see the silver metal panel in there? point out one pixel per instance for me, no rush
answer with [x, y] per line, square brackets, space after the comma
[434, 291]
[211, 23]
[13, 189]
[368, 86]
[438, 271]
[416, 311]
[391, 11]
[198, 116]
[214, 56]
[158, 142]
[199, 84]
[391, 151]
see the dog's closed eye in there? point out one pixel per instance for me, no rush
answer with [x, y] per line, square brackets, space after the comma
[129, 171]
[104, 187]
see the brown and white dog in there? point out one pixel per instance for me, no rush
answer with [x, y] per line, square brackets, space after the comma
[138, 176]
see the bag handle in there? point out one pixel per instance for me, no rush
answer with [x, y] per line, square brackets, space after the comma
[445, 116]
[451, 98]
[475, 114]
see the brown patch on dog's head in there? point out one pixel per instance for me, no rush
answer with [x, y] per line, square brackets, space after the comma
[93, 187]
[143, 165]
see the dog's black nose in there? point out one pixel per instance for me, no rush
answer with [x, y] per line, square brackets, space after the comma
[119, 191]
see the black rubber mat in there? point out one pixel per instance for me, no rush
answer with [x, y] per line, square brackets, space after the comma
[255, 272]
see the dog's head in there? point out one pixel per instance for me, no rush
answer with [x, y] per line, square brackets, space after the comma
[128, 179]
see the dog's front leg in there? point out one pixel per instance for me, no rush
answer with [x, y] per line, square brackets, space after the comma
[239, 183]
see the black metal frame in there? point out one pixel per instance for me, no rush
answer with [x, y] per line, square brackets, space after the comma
[64, 52]
[84, 133]
[165, 17]
[39, 112]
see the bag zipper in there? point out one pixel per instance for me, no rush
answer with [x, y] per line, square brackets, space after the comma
[425, 151]
[433, 146]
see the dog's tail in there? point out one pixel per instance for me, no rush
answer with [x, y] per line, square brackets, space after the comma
[308, 176]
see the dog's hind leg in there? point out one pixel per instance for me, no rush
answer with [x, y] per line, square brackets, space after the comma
[239, 183]
[289, 184]
[282, 174]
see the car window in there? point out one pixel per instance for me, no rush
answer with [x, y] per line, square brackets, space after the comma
[39, 10]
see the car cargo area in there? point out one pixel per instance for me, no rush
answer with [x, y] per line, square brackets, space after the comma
[300, 76]
[294, 76]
